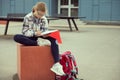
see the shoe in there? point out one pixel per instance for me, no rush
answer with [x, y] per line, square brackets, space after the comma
[57, 68]
[43, 42]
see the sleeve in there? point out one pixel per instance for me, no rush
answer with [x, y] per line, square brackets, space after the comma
[27, 28]
[45, 24]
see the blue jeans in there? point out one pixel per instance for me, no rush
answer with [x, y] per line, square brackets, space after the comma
[32, 41]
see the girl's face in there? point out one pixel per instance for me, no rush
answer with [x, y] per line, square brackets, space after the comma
[39, 14]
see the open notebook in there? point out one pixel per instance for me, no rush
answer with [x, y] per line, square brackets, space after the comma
[54, 34]
[48, 32]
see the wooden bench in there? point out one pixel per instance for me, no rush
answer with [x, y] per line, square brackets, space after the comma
[17, 17]
[20, 16]
[68, 18]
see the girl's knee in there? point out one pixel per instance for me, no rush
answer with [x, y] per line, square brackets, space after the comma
[54, 42]
[17, 37]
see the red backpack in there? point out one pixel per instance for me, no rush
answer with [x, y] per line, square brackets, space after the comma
[70, 68]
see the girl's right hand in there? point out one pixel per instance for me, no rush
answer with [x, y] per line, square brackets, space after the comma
[38, 33]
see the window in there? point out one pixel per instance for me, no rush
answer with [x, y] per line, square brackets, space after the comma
[64, 2]
[74, 2]
[68, 7]
[64, 11]
[74, 11]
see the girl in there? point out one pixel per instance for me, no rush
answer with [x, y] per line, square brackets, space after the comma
[34, 24]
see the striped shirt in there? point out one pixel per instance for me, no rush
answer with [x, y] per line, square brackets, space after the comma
[32, 24]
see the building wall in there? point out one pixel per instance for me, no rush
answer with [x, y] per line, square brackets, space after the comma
[95, 10]
[115, 10]
[5, 8]
[100, 10]
[20, 6]
[85, 8]
[0, 8]
[54, 7]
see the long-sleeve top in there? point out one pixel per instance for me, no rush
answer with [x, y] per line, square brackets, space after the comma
[32, 24]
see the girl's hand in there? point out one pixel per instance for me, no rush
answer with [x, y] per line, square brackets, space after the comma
[38, 33]
[45, 35]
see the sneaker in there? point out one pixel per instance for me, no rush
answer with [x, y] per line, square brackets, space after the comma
[43, 42]
[57, 68]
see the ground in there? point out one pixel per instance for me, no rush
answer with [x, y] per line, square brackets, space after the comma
[95, 47]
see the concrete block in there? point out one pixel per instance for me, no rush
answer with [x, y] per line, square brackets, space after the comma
[34, 63]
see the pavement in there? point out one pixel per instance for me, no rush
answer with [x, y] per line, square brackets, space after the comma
[96, 49]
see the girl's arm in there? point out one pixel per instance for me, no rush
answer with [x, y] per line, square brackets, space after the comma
[27, 28]
[45, 26]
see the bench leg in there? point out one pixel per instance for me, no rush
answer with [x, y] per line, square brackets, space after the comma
[6, 28]
[75, 24]
[69, 24]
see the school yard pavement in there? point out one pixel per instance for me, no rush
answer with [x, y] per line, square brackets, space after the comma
[95, 47]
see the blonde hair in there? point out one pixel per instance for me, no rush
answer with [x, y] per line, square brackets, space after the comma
[40, 6]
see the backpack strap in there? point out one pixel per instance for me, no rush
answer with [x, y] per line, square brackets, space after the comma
[74, 65]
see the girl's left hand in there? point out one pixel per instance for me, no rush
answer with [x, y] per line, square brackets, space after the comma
[45, 35]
